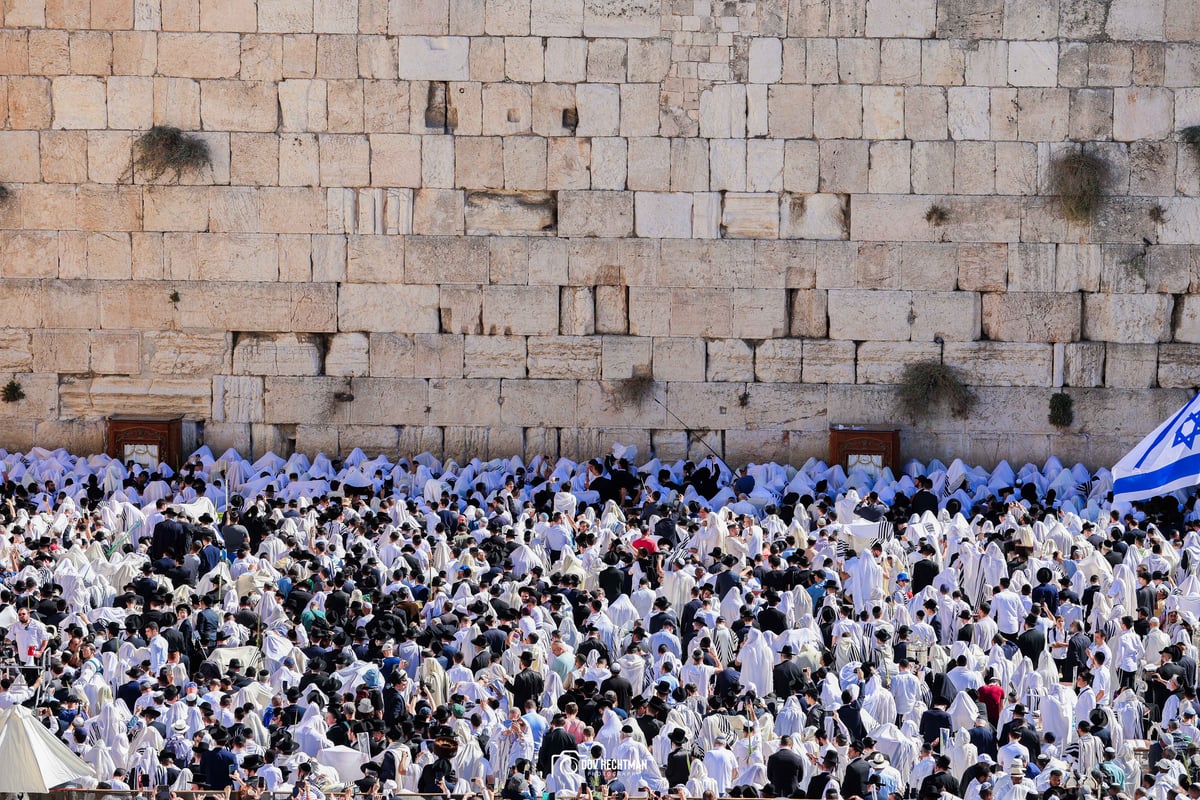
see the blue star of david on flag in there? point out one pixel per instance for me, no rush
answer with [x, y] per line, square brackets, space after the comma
[1166, 461]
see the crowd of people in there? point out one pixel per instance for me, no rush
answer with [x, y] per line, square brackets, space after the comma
[603, 628]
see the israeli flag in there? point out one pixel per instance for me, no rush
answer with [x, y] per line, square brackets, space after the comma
[1166, 461]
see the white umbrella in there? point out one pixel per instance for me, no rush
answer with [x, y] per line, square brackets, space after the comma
[35, 761]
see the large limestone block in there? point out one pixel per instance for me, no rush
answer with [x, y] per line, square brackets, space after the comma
[1187, 328]
[663, 215]
[623, 19]
[884, 362]
[828, 362]
[787, 406]
[109, 395]
[863, 315]
[1178, 366]
[60, 351]
[613, 403]
[29, 255]
[954, 316]
[766, 60]
[464, 402]
[712, 406]
[493, 356]
[679, 359]
[572, 357]
[276, 354]
[1131, 366]
[237, 399]
[1033, 63]
[983, 267]
[374, 259]
[612, 310]
[306, 400]
[438, 355]
[1083, 364]
[348, 354]
[758, 313]
[729, 360]
[1002, 363]
[809, 313]
[239, 105]
[191, 353]
[388, 308]
[391, 356]
[395, 400]
[623, 357]
[510, 213]
[16, 351]
[79, 102]
[593, 262]
[445, 259]
[577, 311]
[779, 360]
[723, 112]
[914, 19]
[211, 257]
[434, 58]
[1142, 112]
[606, 214]
[815, 216]
[1032, 316]
[520, 310]
[1128, 318]
[199, 55]
[750, 215]
[538, 403]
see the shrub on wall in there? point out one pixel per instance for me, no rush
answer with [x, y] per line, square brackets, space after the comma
[1079, 180]
[926, 384]
[1062, 410]
[163, 149]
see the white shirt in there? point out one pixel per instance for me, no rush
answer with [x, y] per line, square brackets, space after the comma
[720, 764]
[906, 688]
[1010, 752]
[1006, 610]
[1129, 652]
[30, 636]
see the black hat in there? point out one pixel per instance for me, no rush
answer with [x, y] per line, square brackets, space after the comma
[677, 735]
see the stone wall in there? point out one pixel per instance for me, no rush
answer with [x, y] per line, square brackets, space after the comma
[500, 226]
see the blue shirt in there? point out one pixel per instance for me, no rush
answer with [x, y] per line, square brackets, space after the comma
[537, 727]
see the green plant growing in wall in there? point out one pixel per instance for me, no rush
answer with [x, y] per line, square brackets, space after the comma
[174, 298]
[13, 392]
[1062, 410]
[163, 150]
[1079, 180]
[926, 384]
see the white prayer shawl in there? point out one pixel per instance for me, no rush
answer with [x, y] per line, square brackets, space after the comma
[623, 613]
[699, 783]
[963, 754]
[866, 582]
[758, 661]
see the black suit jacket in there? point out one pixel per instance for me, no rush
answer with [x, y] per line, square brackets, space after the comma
[854, 782]
[554, 742]
[786, 677]
[1032, 643]
[784, 770]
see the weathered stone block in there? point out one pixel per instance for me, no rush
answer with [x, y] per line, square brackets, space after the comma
[884, 362]
[1142, 112]
[678, 359]
[445, 259]
[576, 357]
[1001, 363]
[828, 362]
[1178, 366]
[750, 216]
[520, 310]
[1131, 366]
[388, 308]
[266, 354]
[510, 213]
[441, 58]
[494, 357]
[577, 312]
[79, 102]
[623, 357]
[624, 19]
[608, 214]
[914, 19]
[869, 315]
[1083, 364]
[1129, 318]
[729, 360]
[1032, 63]
[1032, 317]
